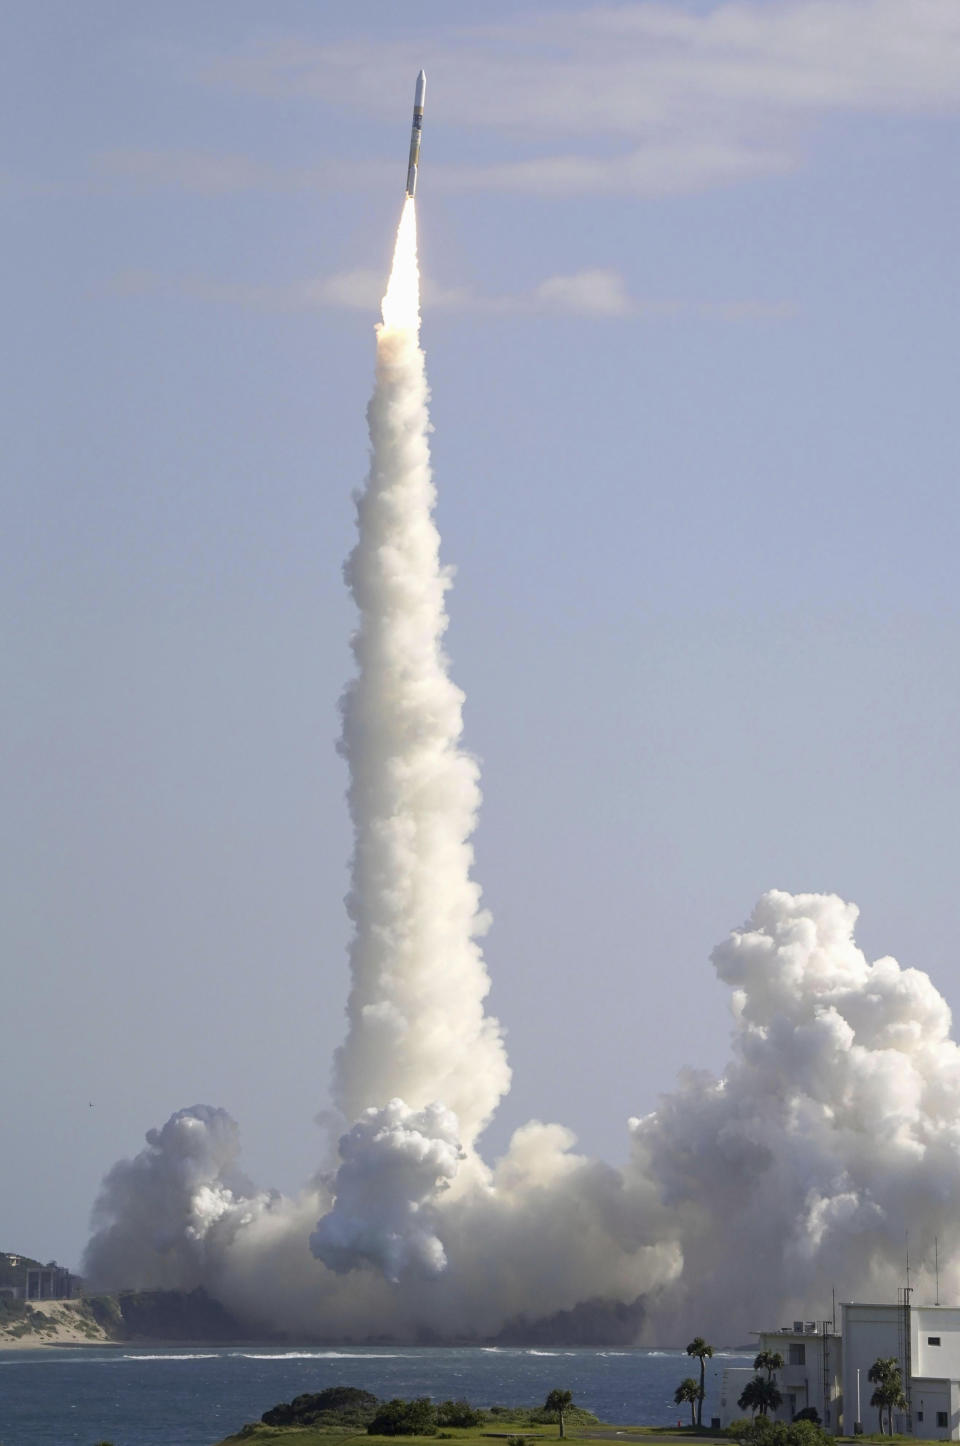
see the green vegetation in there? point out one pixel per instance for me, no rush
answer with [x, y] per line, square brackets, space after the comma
[176, 1315]
[460, 1414]
[18, 1319]
[761, 1431]
[525, 1417]
[13, 1268]
[558, 1404]
[166, 1315]
[885, 1375]
[688, 1394]
[342, 1408]
[769, 1361]
[760, 1396]
[405, 1418]
[698, 1347]
[342, 1413]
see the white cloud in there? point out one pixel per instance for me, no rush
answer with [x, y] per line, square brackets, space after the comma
[595, 292]
[210, 174]
[588, 293]
[689, 98]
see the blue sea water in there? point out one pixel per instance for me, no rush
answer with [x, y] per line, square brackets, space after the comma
[194, 1397]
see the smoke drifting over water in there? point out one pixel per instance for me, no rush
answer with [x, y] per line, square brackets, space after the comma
[835, 1126]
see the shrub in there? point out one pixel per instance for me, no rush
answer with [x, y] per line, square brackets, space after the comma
[405, 1418]
[459, 1413]
[764, 1432]
[336, 1406]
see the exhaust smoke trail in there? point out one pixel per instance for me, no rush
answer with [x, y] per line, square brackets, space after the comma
[417, 1030]
[415, 1009]
[745, 1199]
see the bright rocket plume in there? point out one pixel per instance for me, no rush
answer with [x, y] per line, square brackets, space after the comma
[418, 977]
[418, 980]
[834, 1127]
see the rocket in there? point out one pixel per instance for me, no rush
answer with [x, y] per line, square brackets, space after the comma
[413, 165]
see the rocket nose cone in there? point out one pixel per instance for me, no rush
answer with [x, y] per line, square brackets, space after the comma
[421, 88]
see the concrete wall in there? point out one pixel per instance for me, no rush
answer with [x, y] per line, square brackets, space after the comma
[804, 1384]
[939, 1362]
[51, 1282]
[732, 1382]
[869, 1332]
[931, 1399]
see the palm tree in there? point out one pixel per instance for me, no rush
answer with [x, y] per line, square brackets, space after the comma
[688, 1391]
[885, 1375]
[698, 1347]
[559, 1402]
[759, 1396]
[768, 1361]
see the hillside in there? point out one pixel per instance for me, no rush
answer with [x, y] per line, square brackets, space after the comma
[131, 1316]
[54, 1322]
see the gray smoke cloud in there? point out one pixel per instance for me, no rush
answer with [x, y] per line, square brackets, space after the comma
[395, 1160]
[835, 1126]
[161, 1218]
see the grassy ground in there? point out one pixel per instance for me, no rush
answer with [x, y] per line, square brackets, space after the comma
[496, 1434]
[492, 1434]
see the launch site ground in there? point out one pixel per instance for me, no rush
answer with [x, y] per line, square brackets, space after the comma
[260, 1435]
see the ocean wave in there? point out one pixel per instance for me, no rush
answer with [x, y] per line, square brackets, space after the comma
[171, 1356]
[319, 1356]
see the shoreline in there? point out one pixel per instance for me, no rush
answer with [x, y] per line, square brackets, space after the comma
[141, 1343]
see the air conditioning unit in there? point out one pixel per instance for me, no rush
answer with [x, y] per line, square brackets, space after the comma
[798, 1327]
[810, 1326]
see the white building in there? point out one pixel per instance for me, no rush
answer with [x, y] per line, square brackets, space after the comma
[925, 1339]
[829, 1369]
[811, 1374]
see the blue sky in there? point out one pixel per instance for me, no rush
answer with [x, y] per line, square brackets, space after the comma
[690, 311]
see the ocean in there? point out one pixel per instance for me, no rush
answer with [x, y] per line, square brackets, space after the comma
[195, 1397]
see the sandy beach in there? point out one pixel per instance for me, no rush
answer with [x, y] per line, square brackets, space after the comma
[65, 1323]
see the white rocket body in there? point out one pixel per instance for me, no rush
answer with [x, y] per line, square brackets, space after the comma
[416, 130]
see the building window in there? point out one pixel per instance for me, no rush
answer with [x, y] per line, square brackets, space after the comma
[933, 1340]
[919, 1414]
[943, 1420]
[798, 1356]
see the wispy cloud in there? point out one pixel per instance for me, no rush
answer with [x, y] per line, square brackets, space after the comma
[209, 173]
[597, 292]
[652, 169]
[643, 98]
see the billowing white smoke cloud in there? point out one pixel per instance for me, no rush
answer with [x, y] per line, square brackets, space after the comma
[394, 1161]
[418, 979]
[415, 1009]
[834, 1131]
[745, 1199]
[161, 1217]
